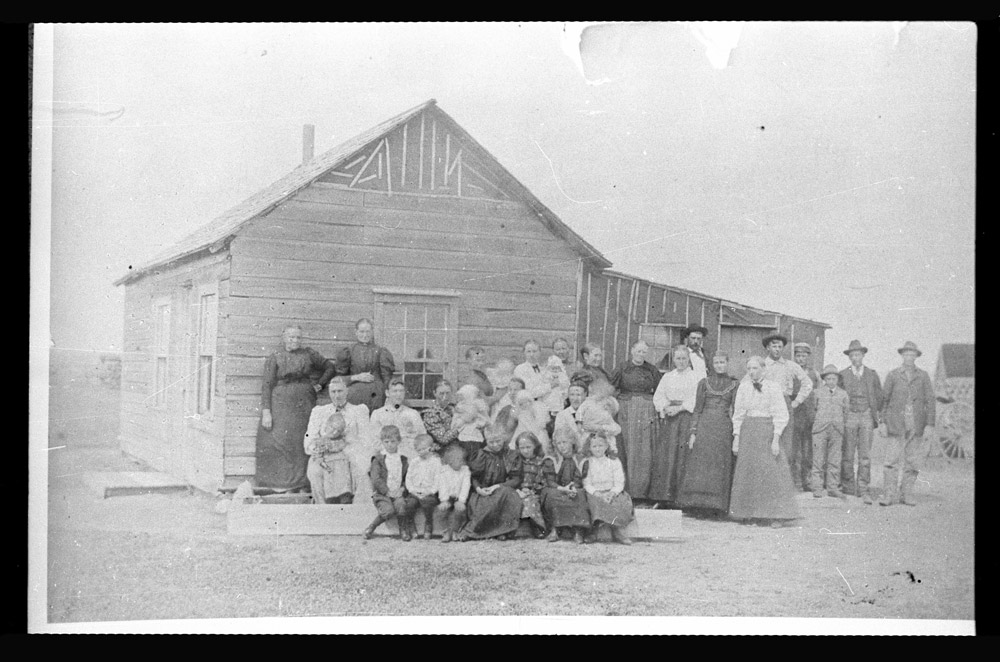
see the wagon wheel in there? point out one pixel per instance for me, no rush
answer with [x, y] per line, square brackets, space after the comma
[958, 430]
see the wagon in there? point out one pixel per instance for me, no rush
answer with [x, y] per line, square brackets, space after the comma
[956, 428]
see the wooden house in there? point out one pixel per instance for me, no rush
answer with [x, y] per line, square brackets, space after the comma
[413, 224]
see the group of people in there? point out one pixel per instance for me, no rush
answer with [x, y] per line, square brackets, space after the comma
[570, 447]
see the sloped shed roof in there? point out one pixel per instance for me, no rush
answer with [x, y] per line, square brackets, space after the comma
[211, 235]
[959, 360]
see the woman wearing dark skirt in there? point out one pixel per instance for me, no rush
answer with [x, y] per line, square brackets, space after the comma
[494, 506]
[368, 367]
[762, 483]
[288, 395]
[636, 381]
[708, 471]
[674, 400]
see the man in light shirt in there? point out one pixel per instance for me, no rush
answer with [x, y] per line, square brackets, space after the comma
[693, 336]
[784, 372]
[360, 449]
[536, 379]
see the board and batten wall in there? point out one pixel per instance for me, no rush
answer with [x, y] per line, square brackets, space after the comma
[319, 258]
[616, 310]
[166, 430]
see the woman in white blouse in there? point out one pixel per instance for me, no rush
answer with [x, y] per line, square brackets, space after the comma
[762, 484]
[674, 401]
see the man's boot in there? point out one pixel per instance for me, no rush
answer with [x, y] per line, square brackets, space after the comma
[405, 524]
[367, 533]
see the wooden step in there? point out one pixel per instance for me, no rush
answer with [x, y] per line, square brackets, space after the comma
[351, 519]
[123, 483]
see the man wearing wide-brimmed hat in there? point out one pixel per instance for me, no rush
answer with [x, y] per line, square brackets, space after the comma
[779, 369]
[802, 443]
[693, 336]
[908, 409]
[865, 394]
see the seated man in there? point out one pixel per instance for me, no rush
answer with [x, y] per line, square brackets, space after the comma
[329, 469]
[358, 450]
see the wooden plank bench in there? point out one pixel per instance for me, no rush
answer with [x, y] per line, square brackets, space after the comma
[334, 519]
[123, 483]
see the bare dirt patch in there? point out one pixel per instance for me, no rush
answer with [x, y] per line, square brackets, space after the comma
[167, 556]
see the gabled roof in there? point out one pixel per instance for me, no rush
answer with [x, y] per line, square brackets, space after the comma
[212, 235]
[958, 360]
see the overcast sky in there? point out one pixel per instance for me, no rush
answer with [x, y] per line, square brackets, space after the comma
[823, 170]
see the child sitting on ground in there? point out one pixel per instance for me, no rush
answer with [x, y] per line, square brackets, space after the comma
[453, 490]
[604, 482]
[388, 474]
[527, 464]
[329, 470]
[470, 419]
[422, 480]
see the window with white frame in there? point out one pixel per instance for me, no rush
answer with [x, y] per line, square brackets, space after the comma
[420, 329]
[161, 350]
[208, 315]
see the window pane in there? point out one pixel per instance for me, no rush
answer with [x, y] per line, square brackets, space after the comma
[205, 369]
[160, 383]
[392, 319]
[414, 386]
[437, 318]
[208, 324]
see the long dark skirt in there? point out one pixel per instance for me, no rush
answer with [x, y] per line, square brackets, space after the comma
[493, 515]
[762, 483]
[637, 418]
[669, 454]
[619, 512]
[281, 459]
[371, 394]
[562, 510]
[708, 469]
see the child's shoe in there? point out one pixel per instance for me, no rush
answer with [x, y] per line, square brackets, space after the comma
[553, 535]
[446, 537]
[578, 537]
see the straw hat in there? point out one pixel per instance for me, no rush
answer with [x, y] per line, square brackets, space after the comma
[802, 347]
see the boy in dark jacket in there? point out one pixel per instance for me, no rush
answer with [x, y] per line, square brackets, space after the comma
[388, 474]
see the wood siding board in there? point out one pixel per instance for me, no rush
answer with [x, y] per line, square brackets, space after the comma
[345, 253]
[391, 275]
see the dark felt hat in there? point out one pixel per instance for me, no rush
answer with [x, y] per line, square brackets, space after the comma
[829, 370]
[693, 328]
[774, 336]
[910, 346]
[855, 346]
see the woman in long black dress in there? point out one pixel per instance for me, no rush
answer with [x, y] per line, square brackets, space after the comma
[292, 377]
[709, 468]
[494, 506]
[636, 381]
[368, 367]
